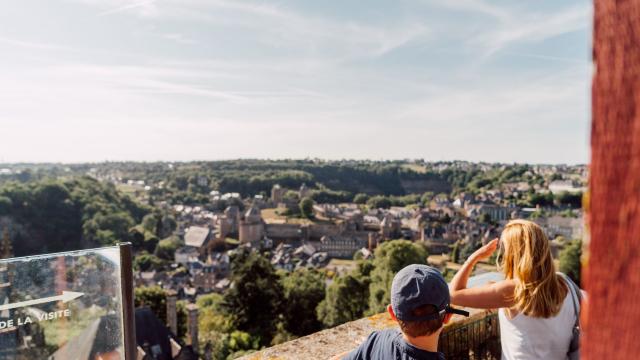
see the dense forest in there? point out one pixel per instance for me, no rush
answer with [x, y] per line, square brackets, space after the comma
[57, 215]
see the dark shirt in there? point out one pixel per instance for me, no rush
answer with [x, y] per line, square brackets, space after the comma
[390, 345]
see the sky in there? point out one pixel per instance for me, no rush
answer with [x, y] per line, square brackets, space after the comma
[179, 80]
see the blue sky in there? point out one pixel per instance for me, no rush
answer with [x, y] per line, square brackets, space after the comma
[93, 80]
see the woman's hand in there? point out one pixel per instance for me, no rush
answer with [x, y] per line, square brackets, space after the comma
[486, 251]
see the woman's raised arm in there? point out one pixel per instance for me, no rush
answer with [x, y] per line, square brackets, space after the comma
[490, 296]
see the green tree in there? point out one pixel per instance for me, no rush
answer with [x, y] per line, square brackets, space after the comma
[574, 200]
[485, 218]
[48, 212]
[391, 257]
[213, 326]
[153, 297]
[147, 262]
[570, 260]
[361, 198]
[253, 302]
[426, 198]
[142, 239]
[346, 298]
[306, 207]
[282, 335]
[150, 222]
[166, 248]
[169, 225]
[109, 228]
[5, 205]
[291, 195]
[536, 199]
[303, 290]
[379, 202]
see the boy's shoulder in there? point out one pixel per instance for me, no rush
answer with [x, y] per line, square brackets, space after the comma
[389, 343]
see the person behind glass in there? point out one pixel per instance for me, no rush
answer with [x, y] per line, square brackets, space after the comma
[536, 312]
[420, 306]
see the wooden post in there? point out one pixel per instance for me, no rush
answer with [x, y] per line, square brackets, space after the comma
[611, 320]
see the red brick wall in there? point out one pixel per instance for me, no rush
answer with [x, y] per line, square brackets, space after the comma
[612, 318]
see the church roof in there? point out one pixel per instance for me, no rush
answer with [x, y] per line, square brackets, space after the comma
[196, 236]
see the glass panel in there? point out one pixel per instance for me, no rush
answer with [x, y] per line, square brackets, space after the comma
[62, 306]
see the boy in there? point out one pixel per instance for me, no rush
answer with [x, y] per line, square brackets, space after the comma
[420, 305]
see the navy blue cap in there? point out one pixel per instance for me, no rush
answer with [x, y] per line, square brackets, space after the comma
[417, 285]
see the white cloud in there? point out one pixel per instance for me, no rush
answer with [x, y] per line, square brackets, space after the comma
[477, 6]
[505, 99]
[276, 26]
[533, 27]
[147, 8]
[31, 45]
[180, 38]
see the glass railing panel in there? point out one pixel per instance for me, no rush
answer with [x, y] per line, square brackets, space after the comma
[63, 306]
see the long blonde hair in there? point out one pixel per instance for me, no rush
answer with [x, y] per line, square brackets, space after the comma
[526, 258]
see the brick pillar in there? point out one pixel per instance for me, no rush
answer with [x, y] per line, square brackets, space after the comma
[192, 325]
[612, 318]
[172, 314]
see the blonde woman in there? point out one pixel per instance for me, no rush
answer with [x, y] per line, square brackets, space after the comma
[536, 312]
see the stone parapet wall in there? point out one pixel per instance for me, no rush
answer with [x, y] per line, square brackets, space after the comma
[328, 343]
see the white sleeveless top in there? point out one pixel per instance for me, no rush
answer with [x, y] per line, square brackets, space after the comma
[525, 337]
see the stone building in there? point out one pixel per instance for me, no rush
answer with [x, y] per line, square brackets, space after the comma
[251, 227]
[232, 214]
[200, 238]
[205, 278]
[340, 246]
[495, 212]
[277, 194]
[390, 227]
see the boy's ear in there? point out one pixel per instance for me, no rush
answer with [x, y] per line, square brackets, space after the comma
[447, 317]
[390, 310]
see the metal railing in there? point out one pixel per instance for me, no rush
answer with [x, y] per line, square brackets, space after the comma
[474, 340]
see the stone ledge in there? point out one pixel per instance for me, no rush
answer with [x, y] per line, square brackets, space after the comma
[328, 343]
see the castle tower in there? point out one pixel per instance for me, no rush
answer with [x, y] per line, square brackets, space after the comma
[277, 194]
[233, 214]
[251, 228]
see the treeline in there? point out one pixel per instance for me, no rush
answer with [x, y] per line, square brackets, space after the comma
[474, 178]
[266, 307]
[335, 181]
[332, 181]
[58, 215]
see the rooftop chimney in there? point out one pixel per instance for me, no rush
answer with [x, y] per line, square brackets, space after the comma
[172, 316]
[192, 310]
